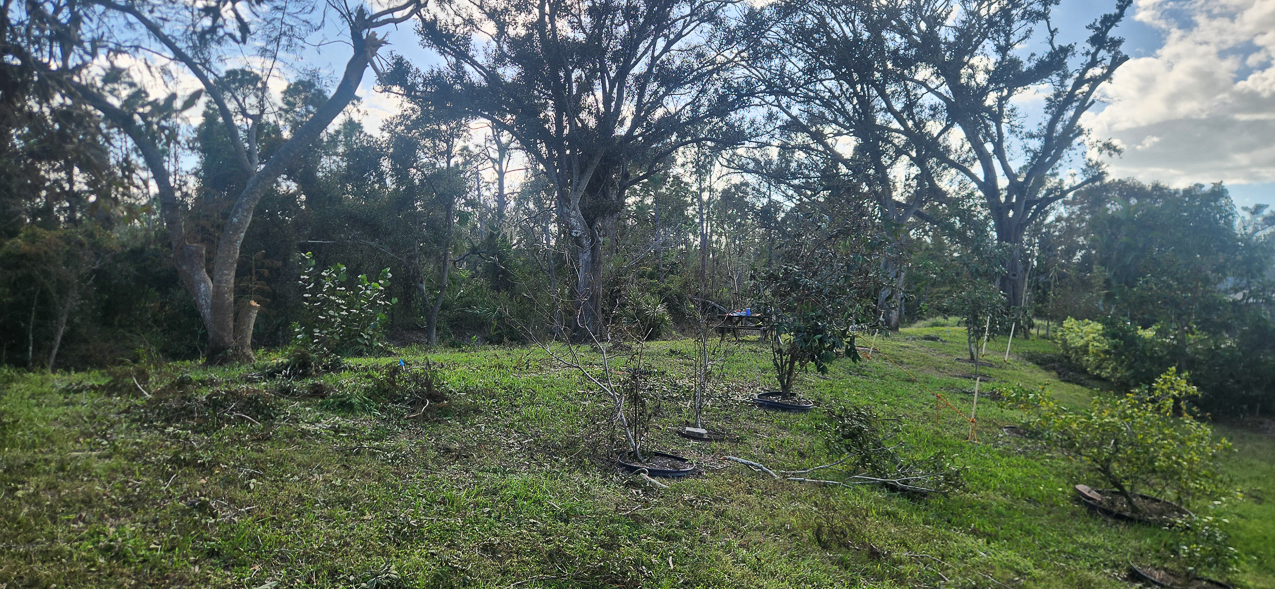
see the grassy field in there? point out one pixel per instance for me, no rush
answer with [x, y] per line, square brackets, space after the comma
[181, 475]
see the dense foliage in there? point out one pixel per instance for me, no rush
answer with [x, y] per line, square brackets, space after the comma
[341, 315]
[1166, 278]
[1150, 440]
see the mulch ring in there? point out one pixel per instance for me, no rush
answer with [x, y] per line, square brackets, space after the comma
[1159, 577]
[1151, 510]
[981, 377]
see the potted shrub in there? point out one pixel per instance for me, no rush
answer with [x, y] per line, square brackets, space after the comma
[1146, 447]
[808, 326]
[707, 355]
[611, 362]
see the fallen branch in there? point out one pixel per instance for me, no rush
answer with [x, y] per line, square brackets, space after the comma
[648, 479]
[752, 465]
[419, 413]
[815, 468]
[820, 481]
[139, 387]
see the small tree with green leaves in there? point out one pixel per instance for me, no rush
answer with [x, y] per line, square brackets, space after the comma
[1151, 440]
[809, 324]
[340, 316]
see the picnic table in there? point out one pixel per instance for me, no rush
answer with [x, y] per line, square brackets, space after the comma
[737, 321]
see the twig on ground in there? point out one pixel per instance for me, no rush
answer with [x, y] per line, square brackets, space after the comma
[993, 579]
[139, 387]
[648, 479]
[540, 578]
[815, 468]
[820, 481]
[753, 465]
[419, 413]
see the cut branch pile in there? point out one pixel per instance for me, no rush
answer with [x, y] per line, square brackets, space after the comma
[872, 458]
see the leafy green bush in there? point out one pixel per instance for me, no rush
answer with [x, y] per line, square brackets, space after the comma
[1234, 370]
[647, 315]
[1203, 547]
[810, 319]
[1150, 440]
[341, 318]
[1084, 343]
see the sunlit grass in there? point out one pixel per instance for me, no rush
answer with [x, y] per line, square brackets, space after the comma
[507, 485]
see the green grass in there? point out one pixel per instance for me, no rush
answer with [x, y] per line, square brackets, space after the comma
[217, 481]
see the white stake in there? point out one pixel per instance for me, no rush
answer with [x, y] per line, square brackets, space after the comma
[974, 410]
[986, 327]
[1011, 340]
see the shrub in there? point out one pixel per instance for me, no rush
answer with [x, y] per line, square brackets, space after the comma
[1203, 547]
[1150, 440]
[810, 318]
[1233, 370]
[647, 315]
[341, 317]
[1085, 344]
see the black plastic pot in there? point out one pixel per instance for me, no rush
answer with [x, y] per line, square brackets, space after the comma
[1145, 576]
[777, 400]
[1126, 516]
[658, 472]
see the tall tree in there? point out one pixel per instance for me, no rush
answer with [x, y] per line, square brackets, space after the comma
[599, 93]
[918, 97]
[194, 40]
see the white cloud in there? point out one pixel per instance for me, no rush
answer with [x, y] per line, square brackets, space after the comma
[1202, 109]
[375, 107]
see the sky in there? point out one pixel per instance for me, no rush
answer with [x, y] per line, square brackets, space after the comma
[1196, 101]
[1194, 104]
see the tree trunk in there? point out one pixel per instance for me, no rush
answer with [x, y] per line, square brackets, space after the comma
[35, 300]
[584, 327]
[245, 321]
[599, 273]
[214, 294]
[222, 304]
[64, 313]
[703, 239]
[431, 323]
[1014, 281]
[890, 299]
[553, 276]
[896, 313]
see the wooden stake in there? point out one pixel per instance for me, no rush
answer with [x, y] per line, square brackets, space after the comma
[1011, 340]
[874, 343]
